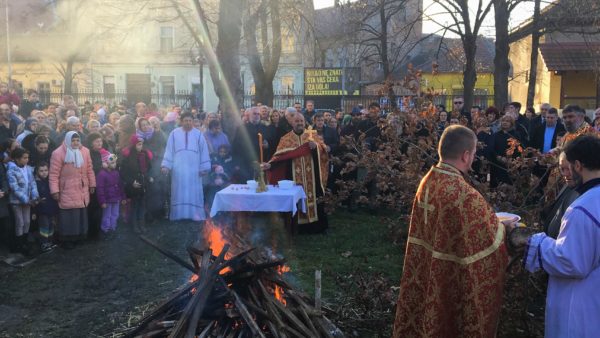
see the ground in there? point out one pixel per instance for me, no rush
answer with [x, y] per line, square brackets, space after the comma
[102, 286]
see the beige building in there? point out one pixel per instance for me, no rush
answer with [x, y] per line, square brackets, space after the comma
[568, 61]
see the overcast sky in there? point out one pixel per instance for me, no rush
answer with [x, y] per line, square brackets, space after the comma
[523, 12]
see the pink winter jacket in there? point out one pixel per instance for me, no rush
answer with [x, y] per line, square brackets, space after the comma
[73, 184]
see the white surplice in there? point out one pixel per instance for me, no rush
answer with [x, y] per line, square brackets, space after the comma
[186, 155]
[573, 263]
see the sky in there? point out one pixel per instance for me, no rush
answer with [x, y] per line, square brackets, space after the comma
[522, 13]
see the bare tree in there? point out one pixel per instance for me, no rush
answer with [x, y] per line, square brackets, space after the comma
[535, 45]
[387, 33]
[72, 38]
[224, 59]
[467, 24]
[502, 12]
[265, 19]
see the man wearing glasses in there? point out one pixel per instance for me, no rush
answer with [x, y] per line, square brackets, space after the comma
[459, 105]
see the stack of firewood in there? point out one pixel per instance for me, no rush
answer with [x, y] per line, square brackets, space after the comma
[241, 296]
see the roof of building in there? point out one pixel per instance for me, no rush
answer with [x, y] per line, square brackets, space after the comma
[571, 55]
[560, 15]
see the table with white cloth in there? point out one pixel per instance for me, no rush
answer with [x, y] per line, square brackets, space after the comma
[241, 202]
[240, 197]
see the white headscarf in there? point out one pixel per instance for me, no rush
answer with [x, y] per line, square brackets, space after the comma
[73, 155]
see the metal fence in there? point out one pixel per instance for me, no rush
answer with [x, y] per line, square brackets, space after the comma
[187, 99]
[183, 98]
[281, 99]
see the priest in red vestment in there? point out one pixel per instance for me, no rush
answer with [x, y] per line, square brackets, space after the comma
[455, 259]
[301, 156]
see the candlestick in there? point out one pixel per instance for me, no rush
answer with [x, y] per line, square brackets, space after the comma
[260, 146]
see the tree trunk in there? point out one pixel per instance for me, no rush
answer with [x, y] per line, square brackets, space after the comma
[226, 78]
[501, 61]
[383, 38]
[264, 70]
[68, 77]
[264, 92]
[535, 44]
[470, 72]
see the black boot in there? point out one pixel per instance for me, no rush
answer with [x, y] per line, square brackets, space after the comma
[14, 244]
[25, 245]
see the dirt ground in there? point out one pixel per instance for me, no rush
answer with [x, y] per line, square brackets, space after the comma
[95, 288]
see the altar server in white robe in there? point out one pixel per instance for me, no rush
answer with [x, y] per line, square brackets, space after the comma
[188, 160]
[572, 260]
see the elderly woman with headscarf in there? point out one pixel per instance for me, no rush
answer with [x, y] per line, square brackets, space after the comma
[71, 182]
[30, 128]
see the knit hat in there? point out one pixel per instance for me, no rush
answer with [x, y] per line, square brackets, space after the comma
[108, 159]
[134, 139]
[104, 154]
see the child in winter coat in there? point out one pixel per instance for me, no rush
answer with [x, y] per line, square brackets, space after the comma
[46, 212]
[23, 194]
[135, 168]
[219, 178]
[109, 191]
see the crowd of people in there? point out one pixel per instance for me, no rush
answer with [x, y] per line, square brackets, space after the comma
[74, 170]
[71, 172]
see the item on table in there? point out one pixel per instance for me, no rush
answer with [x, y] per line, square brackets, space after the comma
[252, 184]
[286, 184]
[505, 216]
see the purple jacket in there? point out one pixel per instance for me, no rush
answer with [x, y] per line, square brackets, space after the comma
[109, 188]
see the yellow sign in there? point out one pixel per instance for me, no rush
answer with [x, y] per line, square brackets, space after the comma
[331, 81]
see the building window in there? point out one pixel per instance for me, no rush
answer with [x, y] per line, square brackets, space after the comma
[167, 36]
[287, 83]
[167, 89]
[109, 86]
[43, 87]
[288, 41]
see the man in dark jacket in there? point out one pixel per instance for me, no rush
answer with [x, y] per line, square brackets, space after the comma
[245, 146]
[370, 128]
[8, 127]
[544, 135]
[329, 135]
[30, 104]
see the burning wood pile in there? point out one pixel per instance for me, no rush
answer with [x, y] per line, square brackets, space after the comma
[241, 295]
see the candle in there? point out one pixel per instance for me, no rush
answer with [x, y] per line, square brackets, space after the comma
[260, 146]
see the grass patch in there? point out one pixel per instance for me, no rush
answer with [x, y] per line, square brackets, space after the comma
[356, 242]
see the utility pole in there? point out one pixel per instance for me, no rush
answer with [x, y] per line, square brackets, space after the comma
[8, 61]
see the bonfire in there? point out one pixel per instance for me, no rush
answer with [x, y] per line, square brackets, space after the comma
[234, 291]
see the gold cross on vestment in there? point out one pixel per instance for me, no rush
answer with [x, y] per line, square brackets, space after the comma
[311, 132]
[426, 207]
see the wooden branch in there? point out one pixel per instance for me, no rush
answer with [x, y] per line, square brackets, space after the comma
[241, 307]
[209, 277]
[304, 330]
[168, 254]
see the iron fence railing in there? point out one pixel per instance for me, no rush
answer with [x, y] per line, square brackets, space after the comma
[183, 98]
[281, 100]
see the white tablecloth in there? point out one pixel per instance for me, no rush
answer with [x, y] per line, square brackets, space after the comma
[239, 197]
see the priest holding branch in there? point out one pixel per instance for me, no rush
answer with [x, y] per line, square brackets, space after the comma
[455, 259]
[301, 156]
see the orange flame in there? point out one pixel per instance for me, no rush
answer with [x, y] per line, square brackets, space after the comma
[215, 241]
[279, 295]
[278, 290]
